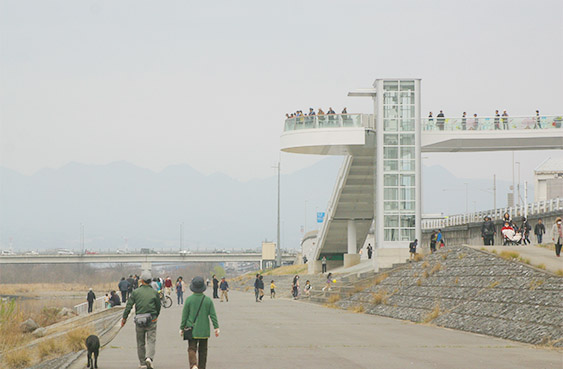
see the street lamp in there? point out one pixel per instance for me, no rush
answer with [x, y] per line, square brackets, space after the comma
[278, 245]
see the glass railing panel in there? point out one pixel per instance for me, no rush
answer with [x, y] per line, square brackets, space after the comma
[327, 121]
[491, 123]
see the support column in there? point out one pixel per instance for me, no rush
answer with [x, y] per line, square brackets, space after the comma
[146, 265]
[352, 238]
[352, 257]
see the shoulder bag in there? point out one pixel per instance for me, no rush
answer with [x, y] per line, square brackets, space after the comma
[188, 331]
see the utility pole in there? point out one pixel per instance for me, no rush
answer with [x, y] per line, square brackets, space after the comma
[526, 199]
[513, 182]
[466, 198]
[518, 187]
[181, 236]
[495, 192]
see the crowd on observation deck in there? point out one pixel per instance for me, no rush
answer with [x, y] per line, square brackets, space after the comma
[299, 113]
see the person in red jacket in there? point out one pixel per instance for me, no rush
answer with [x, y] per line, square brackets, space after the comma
[168, 286]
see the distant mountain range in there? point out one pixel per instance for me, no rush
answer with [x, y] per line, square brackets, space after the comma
[121, 201]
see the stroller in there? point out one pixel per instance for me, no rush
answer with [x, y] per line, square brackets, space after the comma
[510, 236]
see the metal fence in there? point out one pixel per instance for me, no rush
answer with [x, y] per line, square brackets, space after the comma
[524, 210]
[83, 307]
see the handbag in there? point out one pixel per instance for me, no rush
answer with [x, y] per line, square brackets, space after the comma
[188, 331]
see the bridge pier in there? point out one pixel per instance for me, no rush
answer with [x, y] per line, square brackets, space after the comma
[146, 265]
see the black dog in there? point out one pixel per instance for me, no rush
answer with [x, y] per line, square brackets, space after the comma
[93, 346]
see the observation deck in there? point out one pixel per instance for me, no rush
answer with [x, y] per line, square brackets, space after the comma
[354, 134]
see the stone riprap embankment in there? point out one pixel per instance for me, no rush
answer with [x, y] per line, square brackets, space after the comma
[465, 289]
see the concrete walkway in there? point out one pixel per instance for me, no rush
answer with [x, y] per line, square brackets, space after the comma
[277, 334]
[537, 255]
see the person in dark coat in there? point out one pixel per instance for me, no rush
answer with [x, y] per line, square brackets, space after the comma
[526, 228]
[433, 242]
[370, 251]
[257, 287]
[215, 287]
[488, 232]
[539, 230]
[123, 286]
[114, 299]
[91, 297]
[131, 281]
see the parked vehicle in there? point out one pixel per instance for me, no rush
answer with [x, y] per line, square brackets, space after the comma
[185, 252]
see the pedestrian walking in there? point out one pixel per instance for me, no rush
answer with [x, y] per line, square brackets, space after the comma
[260, 288]
[195, 315]
[538, 120]
[215, 286]
[497, 119]
[370, 251]
[207, 282]
[430, 119]
[488, 232]
[526, 228]
[147, 309]
[180, 289]
[123, 286]
[90, 297]
[412, 249]
[257, 287]
[224, 286]
[433, 242]
[328, 282]
[130, 280]
[539, 230]
[464, 121]
[168, 286]
[323, 263]
[440, 239]
[295, 287]
[557, 235]
[272, 290]
[107, 304]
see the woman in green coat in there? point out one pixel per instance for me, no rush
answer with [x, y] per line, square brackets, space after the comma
[201, 306]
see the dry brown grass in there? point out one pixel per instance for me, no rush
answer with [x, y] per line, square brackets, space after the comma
[75, 338]
[334, 298]
[380, 297]
[461, 256]
[425, 274]
[436, 268]
[418, 257]
[456, 280]
[444, 256]
[433, 314]
[509, 255]
[357, 308]
[535, 283]
[419, 282]
[288, 270]
[494, 284]
[541, 266]
[380, 278]
[17, 359]
[425, 264]
[35, 289]
[559, 272]
[52, 347]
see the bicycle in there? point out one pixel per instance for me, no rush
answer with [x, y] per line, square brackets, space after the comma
[165, 300]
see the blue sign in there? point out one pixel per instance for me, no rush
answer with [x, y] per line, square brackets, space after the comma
[320, 216]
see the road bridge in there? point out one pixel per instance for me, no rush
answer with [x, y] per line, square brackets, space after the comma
[287, 334]
[145, 260]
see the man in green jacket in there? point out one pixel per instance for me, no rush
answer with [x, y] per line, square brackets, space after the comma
[147, 309]
[201, 306]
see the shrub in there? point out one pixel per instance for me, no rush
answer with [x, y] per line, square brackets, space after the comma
[357, 308]
[419, 282]
[418, 257]
[380, 278]
[437, 267]
[535, 283]
[509, 255]
[559, 272]
[541, 266]
[380, 297]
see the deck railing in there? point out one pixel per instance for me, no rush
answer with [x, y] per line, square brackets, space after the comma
[328, 121]
[491, 123]
[540, 207]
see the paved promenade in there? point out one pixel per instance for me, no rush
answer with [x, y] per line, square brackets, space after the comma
[278, 334]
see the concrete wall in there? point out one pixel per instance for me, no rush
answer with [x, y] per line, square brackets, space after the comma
[470, 234]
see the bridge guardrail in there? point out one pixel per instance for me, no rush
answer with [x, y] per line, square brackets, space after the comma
[525, 210]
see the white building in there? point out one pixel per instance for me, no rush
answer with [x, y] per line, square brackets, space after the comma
[549, 180]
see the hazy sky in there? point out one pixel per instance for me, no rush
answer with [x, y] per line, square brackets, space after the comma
[208, 83]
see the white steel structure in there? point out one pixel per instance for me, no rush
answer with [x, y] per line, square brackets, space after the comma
[380, 181]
